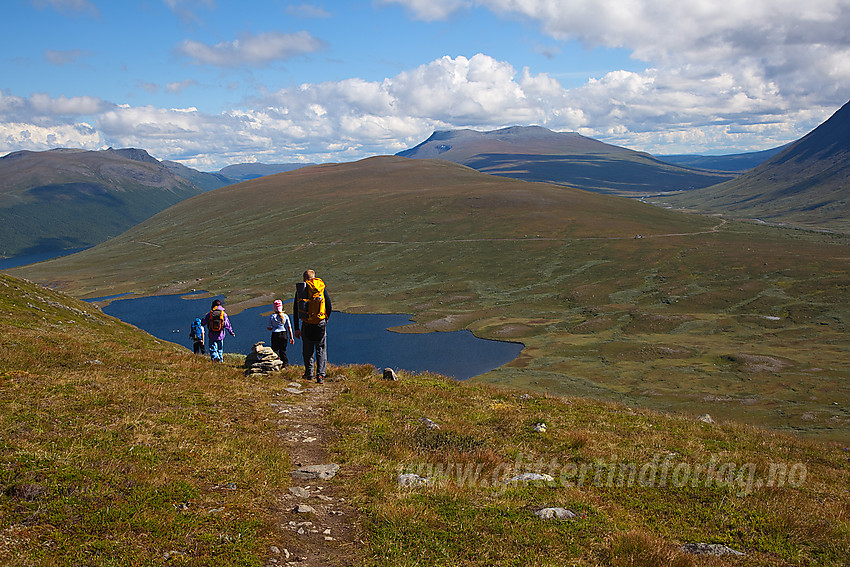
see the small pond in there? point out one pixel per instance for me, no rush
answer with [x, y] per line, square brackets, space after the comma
[352, 338]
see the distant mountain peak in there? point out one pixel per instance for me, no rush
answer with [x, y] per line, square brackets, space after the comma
[134, 154]
[535, 153]
[69, 198]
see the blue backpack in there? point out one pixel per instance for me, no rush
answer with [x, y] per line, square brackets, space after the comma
[197, 330]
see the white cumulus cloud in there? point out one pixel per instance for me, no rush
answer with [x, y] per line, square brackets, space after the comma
[725, 67]
[661, 110]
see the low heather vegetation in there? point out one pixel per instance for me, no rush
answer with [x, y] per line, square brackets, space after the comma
[119, 449]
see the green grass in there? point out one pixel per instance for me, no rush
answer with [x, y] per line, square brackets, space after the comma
[485, 435]
[120, 449]
[745, 322]
[116, 446]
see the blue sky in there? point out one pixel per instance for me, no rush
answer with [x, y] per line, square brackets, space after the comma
[210, 83]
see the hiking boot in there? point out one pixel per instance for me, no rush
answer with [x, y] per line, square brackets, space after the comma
[320, 380]
[306, 377]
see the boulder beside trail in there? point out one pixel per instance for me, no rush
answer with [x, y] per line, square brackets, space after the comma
[555, 514]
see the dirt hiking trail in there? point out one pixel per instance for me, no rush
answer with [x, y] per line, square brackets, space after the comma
[318, 526]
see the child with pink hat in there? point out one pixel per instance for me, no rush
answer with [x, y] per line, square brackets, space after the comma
[281, 330]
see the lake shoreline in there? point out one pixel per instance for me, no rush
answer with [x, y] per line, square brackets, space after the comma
[353, 338]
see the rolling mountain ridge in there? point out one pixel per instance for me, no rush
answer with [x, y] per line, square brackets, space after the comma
[69, 198]
[534, 153]
[73, 198]
[732, 163]
[245, 171]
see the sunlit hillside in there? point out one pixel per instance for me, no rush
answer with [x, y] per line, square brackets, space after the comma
[614, 299]
[121, 450]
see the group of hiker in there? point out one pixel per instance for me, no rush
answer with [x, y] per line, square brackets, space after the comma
[310, 314]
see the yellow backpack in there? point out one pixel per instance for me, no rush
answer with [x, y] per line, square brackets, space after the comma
[311, 302]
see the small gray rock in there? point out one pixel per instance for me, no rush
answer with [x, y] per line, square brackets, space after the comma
[709, 549]
[528, 477]
[294, 390]
[430, 425]
[304, 509]
[299, 491]
[411, 479]
[316, 472]
[555, 514]
[539, 428]
[705, 418]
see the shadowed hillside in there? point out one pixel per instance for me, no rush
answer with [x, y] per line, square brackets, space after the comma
[807, 184]
[613, 298]
[205, 181]
[73, 198]
[733, 163]
[538, 154]
[246, 171]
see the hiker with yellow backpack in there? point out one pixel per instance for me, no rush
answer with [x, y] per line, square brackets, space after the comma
[311, 312]
[218, 323]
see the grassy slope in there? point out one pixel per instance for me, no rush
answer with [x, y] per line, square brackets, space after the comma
[486, 435]
[779, 195]
[107, 432]
[114, 448]
[739, 321]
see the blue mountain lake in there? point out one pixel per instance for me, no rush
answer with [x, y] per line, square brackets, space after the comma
[26, 259]
[352, 338]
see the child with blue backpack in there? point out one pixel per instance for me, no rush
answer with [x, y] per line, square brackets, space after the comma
[197, 335]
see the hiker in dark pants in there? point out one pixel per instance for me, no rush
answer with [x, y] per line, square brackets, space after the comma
[281, 330]
[311, 312]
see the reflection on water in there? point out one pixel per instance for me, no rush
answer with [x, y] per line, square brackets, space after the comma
[352, 338]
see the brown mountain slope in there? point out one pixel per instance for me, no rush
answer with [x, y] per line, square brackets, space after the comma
[807, 184]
